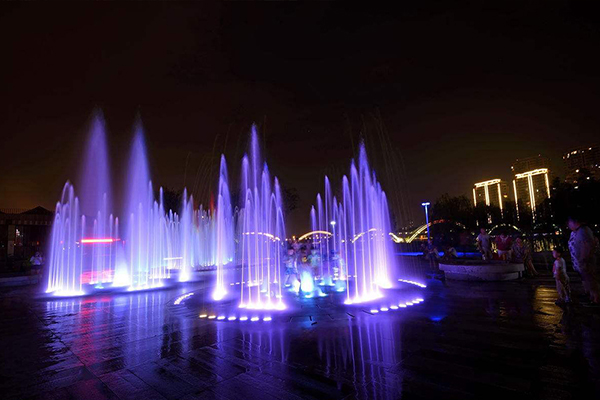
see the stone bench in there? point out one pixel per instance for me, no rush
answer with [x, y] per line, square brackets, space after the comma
[482, 271]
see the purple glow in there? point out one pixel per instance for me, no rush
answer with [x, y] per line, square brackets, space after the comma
[359, 244]
[155, 241]
[224, 251]
[262, 228]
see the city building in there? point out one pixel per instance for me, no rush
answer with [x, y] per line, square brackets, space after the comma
[522, 165]
[582, 163]
[493, 192]
[531, 183]
[22, 233]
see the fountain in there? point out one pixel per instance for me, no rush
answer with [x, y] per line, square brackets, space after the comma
[262, 233]
[84, 230]
[223, 244]
[354, 245]
[90, 249]
[351, 264]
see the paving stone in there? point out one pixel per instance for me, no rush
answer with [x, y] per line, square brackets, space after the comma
[468, 340]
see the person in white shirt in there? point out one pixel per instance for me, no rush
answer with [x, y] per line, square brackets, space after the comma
[583, 254]
[484, 244]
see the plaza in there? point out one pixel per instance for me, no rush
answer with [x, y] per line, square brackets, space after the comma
[299, 200]
[465, 340]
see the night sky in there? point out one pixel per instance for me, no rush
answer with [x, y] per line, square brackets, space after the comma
[462, 91]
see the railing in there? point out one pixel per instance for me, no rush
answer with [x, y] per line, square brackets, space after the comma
[14, 210]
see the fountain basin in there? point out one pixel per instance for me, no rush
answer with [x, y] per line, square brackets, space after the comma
[307, 310]
[481, 271]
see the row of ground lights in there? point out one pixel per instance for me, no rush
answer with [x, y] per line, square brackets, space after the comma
[413, 283]
[396, 307]
[234, 318]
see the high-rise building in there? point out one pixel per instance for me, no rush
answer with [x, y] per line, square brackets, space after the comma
[522, 165]
[582, 163]
[491, 192]
[531, 184]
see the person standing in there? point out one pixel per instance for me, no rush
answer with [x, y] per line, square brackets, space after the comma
[36, 263]
[433, 255]
[504, 244]
[291, 268]
[559, 270]
[522, 254]
[581, 246]
[484, 244]
[528, 259]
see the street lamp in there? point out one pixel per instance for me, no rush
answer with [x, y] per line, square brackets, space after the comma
[426, 205]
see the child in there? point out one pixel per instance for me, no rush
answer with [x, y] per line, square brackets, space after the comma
[315, 262]
[560, 275]
[291, 268]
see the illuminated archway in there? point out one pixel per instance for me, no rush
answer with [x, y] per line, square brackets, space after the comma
[505, 226]
[314, 233]
[422, 229]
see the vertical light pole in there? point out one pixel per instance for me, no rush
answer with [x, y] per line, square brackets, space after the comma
[426, 205]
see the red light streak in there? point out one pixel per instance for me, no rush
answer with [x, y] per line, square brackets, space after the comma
[102, 240]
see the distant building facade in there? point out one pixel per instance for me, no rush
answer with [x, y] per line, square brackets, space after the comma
[531, 183]
[582, 163]
[22, 233]
[493, 192]
[522, 165]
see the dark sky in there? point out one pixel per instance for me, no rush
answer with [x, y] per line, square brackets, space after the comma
[462, 91]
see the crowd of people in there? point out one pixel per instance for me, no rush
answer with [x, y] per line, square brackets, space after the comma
[306, 260]
[508, 250]
[583, 249]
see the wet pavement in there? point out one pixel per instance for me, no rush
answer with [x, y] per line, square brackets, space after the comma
[466, 340]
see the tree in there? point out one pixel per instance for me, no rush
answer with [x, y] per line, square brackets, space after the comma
[564, 197]
[290, 199]
[457, 209]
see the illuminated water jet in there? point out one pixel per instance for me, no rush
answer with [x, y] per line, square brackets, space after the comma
[358, 242]
[262, 228]
[90, 249]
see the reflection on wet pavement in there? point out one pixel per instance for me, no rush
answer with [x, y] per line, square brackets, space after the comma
[467, 340]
